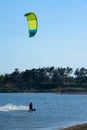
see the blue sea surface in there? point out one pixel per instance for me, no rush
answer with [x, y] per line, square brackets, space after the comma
[53, 111]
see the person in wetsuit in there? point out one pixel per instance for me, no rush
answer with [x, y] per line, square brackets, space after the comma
[31, 107]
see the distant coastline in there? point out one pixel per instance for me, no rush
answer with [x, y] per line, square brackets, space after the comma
[46, 79]
[73, 93]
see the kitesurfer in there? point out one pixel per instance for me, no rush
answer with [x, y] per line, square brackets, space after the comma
[31, 107]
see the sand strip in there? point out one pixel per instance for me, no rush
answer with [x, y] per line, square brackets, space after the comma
[77, 127]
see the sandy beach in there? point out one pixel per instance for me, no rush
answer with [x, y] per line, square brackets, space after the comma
[77, 127]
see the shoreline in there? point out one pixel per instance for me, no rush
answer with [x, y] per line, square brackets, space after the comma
[82, 93]
[77, 127]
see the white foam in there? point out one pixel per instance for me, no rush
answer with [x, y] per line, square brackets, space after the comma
[11, 107]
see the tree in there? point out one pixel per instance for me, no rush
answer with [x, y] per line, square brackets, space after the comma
[81, 75]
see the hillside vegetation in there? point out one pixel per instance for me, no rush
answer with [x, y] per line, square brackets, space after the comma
[46, 79]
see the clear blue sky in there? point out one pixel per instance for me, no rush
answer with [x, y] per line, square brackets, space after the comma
[61, 39]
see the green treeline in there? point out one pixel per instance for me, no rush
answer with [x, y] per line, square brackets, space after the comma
[46, 79]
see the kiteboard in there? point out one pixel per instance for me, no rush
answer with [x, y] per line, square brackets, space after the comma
[32, 110]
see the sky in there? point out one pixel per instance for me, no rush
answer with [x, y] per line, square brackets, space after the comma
[61, 39]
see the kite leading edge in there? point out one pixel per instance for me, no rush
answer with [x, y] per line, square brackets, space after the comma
[32, 23]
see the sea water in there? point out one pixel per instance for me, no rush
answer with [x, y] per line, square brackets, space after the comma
[53, 111]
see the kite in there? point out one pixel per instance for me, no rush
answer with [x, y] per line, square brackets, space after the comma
[32, 23]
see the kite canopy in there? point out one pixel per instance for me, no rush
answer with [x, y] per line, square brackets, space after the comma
[32, 23]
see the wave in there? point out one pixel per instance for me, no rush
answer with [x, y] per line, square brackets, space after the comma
[11, 107]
